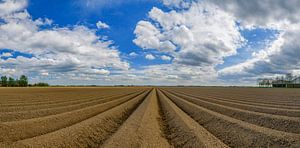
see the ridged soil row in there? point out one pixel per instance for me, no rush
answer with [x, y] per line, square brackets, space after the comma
[256, 108]
[23, 115]
[142, 128]
[18, 130]
[240, 101]
[78, 100]
[234, 132]
[279, 96]
[269, 99]
[61, 98]
[37, 99]
[181, 130]
[282, 123]
[88, 133]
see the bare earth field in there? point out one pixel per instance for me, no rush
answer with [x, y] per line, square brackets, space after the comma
[149, 117]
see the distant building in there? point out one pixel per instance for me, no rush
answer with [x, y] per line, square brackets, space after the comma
[289, 81]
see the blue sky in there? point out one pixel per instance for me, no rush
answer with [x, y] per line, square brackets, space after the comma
[159, 42]
[122, 19]
[257, 39]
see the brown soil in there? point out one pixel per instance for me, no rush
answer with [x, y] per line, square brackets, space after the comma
[182, 130]
[149, 117]
[143, 126]
[234, 132]
[91, 132]
[33, 127]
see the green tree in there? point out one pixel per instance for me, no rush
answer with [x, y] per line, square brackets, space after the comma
[17, 83]
[11, 82]
[23, 82]
[4, 81]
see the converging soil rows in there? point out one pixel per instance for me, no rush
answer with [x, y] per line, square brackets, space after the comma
[158, 117]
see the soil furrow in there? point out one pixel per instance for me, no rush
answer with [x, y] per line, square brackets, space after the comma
[38, 126]
[282, 123]
[149, 117]
[268, 110]
[237, 101]
[257, 98]
[61, 98]
[143, 126]
[88, 133]
[234, 132]
[23, 115]
[182, 130]
[4, 110]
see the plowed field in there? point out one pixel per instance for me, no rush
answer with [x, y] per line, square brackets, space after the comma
[149, 117]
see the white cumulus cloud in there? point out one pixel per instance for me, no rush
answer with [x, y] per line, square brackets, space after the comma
[267, 13]
[63, 52]
[101, 25]
[149, 37]
[177, 3]
[165, 58]
[133, 54]
[150, 57]
[9, 6]
[282, 55]
[203, 33]
[199, 36]
[6, 54]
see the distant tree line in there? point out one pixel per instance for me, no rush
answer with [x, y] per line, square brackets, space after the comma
[40, 84]
[11, 82]
[21, 82]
